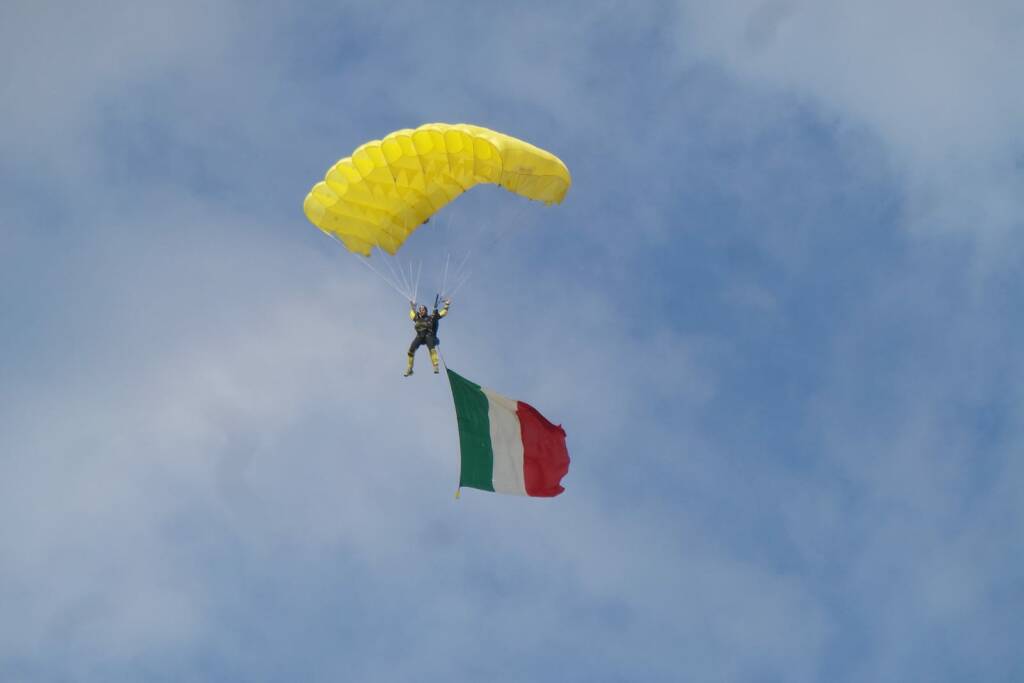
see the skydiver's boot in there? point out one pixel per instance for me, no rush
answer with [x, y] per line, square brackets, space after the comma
[433, 359]
[408, 368]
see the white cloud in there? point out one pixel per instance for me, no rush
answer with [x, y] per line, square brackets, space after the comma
[935, 81]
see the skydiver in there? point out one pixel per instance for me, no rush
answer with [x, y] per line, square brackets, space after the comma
[426, 332]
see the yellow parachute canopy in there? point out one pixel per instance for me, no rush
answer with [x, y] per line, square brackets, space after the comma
[389, 187]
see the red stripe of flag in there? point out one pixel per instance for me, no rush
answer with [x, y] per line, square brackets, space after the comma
[545, 457]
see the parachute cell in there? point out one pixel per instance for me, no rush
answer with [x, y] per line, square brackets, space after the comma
[387, 188]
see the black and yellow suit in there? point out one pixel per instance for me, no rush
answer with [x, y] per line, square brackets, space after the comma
[426, 334]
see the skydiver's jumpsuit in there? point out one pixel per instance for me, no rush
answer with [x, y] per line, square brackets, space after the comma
[426, 333]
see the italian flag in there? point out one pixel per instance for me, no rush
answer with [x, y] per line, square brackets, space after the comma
[507, 446]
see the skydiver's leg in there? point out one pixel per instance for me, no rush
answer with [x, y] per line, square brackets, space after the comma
[412, 354]
[416, 343]
[431, 343]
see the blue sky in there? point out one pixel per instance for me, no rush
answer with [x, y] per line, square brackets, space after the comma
[778, 316]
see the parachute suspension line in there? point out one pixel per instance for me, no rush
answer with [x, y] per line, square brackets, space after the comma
[409, 280]
[400, 285]
[416, 289]
[366, 262]
[460, 272]
[394, 274]
[396, 261]
[415, 283]
[393, 285]
[405, 277]
[460, 275]
[412, 280]
[463, 281]
[444, 278]
[448, 255]
[462, 263]
[512, 220]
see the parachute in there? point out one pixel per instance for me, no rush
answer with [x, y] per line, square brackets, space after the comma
[387, 188]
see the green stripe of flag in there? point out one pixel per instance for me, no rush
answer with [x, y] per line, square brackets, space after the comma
[471, 408]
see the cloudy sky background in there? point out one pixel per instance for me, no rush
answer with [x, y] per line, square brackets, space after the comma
[778, 315]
